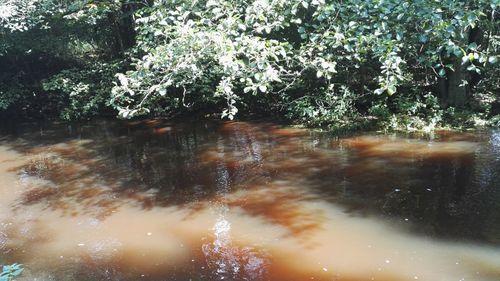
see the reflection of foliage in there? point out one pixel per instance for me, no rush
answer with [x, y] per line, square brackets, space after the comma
[9, 272]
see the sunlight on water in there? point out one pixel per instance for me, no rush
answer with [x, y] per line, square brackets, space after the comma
[227, 261]
[220, 254]
[238, 201]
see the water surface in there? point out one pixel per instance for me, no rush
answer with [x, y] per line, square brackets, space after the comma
[157, 200]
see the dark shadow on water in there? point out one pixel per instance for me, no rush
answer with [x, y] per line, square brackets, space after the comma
[95, 169]
[443, 187]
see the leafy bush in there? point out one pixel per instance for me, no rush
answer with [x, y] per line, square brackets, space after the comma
[416, 113]
[85, 91]
[328, 107]
[319, 62]
[217, 52]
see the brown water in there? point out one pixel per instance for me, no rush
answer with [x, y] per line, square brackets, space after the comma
[155, 200]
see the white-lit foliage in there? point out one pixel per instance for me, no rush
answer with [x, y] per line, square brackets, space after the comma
[234, 47]
[202, 43]
[18, 15]
[21, 16]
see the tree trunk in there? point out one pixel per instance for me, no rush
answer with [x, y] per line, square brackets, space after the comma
[457, 90]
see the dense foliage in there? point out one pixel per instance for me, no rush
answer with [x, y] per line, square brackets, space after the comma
[59, 58]
[412, 64]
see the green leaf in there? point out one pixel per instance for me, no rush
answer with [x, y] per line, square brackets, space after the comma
[465, 59]
[471, 67]
[423, 38]
[472, 46]
[391, 90]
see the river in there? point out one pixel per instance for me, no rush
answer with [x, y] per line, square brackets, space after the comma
[162, 200]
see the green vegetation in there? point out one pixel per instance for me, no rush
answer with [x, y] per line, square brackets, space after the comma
[347, 64]
[9, 272]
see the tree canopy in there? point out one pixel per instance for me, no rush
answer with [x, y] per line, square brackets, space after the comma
[331, 63]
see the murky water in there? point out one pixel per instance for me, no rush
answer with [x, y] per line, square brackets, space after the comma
[156, 200]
